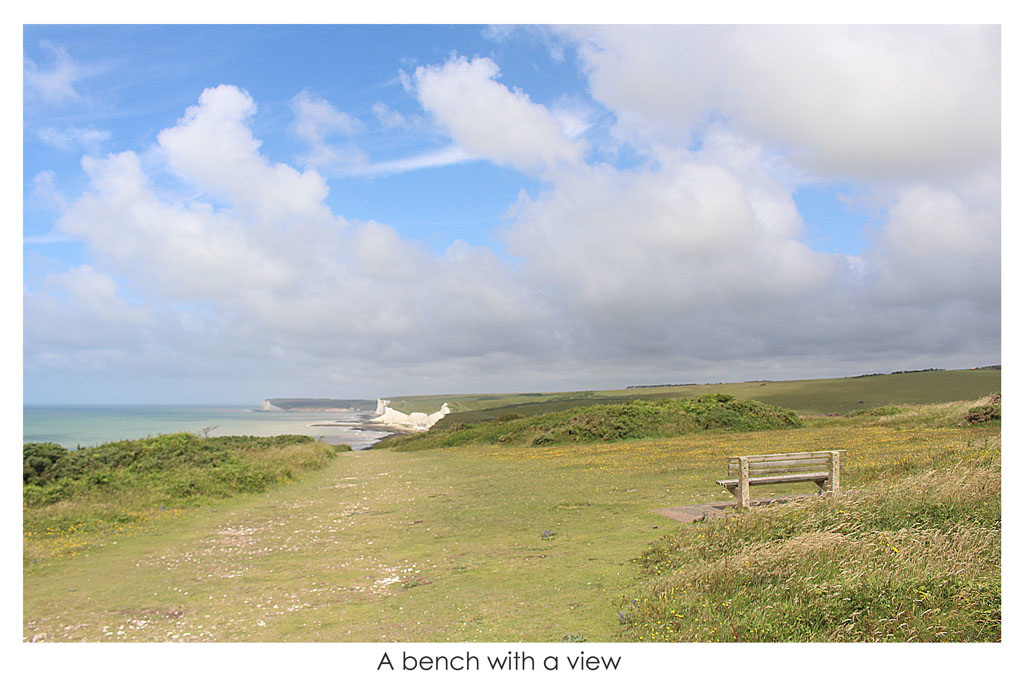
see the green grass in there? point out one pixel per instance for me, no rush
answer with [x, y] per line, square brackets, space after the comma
[75, 498]
[541, 543]
[635, 419]
[913, 559]
[810, 396]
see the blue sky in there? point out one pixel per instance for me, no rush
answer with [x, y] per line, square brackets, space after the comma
[226, 213]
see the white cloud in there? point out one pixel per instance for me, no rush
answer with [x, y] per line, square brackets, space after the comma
[81, 309]
[691, 261]
[316, 121]
[213, 149]
[940, 244]
[450, 155]
[73, 138]
[53, 85]
[873, 102]
[45, 193]
[389, 118]
[273, 267]
[700, 256]
[487, 119]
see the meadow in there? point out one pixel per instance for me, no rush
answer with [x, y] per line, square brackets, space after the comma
[546, 543]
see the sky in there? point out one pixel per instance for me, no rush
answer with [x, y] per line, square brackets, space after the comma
[218, 214]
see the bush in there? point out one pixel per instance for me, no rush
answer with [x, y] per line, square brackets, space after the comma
[989, 411]
[40, 460]
[175, 466]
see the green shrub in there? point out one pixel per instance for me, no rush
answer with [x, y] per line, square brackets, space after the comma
[635, 419]
[40, 461]
[172, 468]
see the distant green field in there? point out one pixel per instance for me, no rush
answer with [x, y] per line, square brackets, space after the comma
[806, 396]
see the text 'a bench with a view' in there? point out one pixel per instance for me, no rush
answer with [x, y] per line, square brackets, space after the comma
[821, 467]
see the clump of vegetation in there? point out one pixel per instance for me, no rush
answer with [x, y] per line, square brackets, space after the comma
[913, 559]
[636, 419]
[989, 411]
[122, 482]
[175, 465]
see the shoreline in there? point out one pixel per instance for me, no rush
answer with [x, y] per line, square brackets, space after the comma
[368, 426]
[95, 425]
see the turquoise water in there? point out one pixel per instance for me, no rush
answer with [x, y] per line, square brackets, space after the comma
[89, 425]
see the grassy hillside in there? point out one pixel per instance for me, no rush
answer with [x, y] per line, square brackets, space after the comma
[635, 419]
[808, 397]
[462, 544]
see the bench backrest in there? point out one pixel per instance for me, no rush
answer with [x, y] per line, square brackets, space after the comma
[787, 463]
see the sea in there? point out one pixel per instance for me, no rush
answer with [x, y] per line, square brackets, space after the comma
[72, 426]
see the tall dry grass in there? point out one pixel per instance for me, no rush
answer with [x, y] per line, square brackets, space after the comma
[912, 558]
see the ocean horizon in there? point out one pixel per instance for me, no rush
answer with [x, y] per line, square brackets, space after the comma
[90, 425]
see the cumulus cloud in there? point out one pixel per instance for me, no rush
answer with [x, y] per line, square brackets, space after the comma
[693, 260]
[261, 253]
[488, 119]
[213, 149]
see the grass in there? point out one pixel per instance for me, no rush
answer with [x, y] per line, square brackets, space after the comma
[74, 499]
[636, 419]
[544, 543]
[913, 559]
[808, 396]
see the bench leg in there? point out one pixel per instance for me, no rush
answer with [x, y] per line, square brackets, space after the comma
[835, 462]
[743, 487]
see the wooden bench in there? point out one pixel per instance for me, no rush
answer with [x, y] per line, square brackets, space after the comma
[820, 467]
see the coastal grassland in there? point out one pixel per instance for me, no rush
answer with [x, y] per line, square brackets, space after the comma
[808, 396]
[76, 499]
[635, 419]
[474, 543]
[912, 554]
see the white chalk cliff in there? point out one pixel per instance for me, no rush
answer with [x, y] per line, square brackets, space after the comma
[390, 416]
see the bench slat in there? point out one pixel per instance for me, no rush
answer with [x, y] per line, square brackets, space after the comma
[769, 471]
[783, 464]
[799, 477]
[786, 456]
